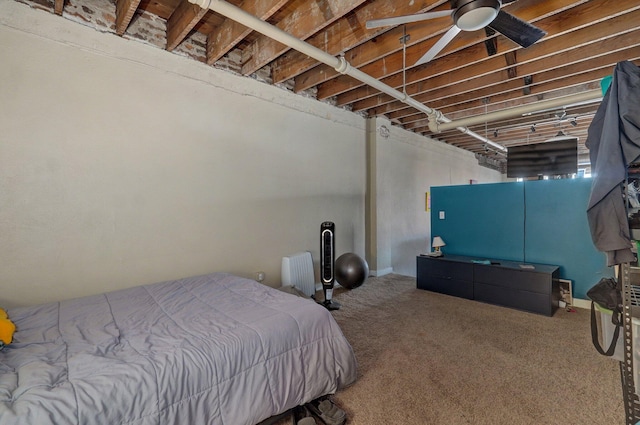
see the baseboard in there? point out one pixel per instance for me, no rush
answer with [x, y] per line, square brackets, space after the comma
[577, 302]
[382, 272]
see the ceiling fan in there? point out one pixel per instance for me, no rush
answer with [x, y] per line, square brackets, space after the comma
[470, 15]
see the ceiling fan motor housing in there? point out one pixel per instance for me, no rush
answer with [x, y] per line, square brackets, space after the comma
[471, 15]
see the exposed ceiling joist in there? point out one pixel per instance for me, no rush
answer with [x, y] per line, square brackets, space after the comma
[584, 41]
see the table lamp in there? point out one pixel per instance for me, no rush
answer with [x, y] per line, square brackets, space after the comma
[437, 243]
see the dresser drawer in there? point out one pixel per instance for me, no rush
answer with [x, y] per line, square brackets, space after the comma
[441, 268]
[522, 280]
[508, 297]
[457, 288]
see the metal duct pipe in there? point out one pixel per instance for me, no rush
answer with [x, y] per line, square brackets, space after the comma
[516, 111]
[339, 64]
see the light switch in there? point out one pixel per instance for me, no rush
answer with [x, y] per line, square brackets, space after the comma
[441, 215]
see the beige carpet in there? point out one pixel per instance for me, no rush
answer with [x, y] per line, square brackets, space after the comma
[427, 358]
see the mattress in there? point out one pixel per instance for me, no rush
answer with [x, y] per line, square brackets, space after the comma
[213, 349]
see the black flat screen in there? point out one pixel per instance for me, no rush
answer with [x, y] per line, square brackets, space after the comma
[550, 158]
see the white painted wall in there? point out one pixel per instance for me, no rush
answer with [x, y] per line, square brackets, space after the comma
[123, 164]
[407, 167]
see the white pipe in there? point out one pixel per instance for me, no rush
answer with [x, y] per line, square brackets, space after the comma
[339, 64]
[437, 127]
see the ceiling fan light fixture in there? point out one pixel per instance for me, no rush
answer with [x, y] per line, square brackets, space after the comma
[476, 14]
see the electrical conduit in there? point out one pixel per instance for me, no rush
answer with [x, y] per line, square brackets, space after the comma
[586, 96]
[338, 63]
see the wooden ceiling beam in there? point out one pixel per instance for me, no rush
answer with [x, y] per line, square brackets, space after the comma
[182, 21]
[539, 54]
[349, 92]
[393, 64]
[507, 99]
[397, 110]
[427, 35]
[560, 28]
[590, 81]
[383, 48]
[124, 13]
[309, 18]
[230, 33]
[58, 6]
[342, 35]
[556, 72]
[585, 39]
[423, 35]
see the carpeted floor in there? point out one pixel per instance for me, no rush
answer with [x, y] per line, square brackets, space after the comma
[427, 358]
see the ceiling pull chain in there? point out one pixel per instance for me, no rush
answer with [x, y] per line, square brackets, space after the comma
[404, 40]
[486, 111]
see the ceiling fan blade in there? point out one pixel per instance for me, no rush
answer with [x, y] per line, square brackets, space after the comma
[440, 44]
[516, 29]
[385, 22]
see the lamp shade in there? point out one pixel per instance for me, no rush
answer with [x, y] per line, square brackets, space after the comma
[437, 242]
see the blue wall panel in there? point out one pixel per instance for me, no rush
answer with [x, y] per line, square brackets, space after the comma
[557, 231]
[541, 221]
[485, 220]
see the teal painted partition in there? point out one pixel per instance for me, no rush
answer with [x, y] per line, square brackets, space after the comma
[540, 221]
[480, 220]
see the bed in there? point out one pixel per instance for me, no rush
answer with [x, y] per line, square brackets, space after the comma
[213, 349]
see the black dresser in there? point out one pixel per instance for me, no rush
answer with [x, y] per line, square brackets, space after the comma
[528, 287]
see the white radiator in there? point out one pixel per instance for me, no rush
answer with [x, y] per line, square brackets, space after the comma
[297, 271]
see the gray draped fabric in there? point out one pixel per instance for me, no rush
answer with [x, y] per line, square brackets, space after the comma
[614, 143]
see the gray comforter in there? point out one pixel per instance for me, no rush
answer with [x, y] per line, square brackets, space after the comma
[214, 349]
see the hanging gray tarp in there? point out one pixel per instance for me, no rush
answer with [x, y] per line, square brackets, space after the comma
[614, 143]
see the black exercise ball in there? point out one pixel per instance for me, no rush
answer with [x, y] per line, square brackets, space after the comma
[351, 271]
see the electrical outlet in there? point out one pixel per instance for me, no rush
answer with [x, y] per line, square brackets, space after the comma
[259, 276]
[441, 215]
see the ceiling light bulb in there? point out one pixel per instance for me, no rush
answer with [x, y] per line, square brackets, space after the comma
[477, 18]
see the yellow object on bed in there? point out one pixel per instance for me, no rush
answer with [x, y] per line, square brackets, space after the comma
[7, 328]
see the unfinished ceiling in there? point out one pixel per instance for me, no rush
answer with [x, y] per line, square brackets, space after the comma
[476, 74]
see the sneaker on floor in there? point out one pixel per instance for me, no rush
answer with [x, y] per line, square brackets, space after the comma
[302, 416]
[327, 412]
